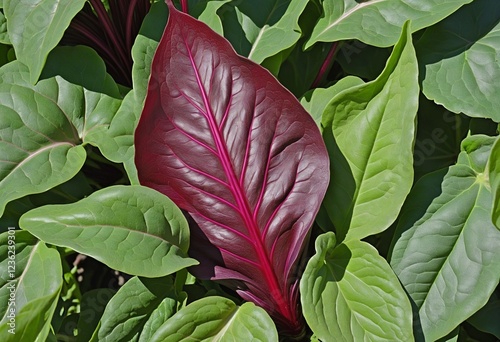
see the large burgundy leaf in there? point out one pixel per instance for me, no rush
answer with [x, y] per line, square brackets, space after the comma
[227, 143]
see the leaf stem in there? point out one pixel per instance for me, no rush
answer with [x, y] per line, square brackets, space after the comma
[184, 5]
[325, 66]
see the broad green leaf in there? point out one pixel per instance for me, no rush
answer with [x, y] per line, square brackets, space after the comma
[315, 101]
[448, 261]
[369, 131]
[420, 197]
[350, 293]
[132, 229]
[4, 35]
[128, 311]
[494, 175]
[378, 22]
[39, 146]
[261, 28]
[210, 17]
[218, 319]
[82, 66]
[35, 287]
[36, 26]
[91, 309]
[461, 59]
[159, 316]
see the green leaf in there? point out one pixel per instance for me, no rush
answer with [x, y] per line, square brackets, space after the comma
[262, 28]
[378, 22]
[448, 261]
[131, 307]
[82, 66]
[36, 26]
[35, 287]
[4, 35]
[209, 15]
[39, 146]
[494, 175]
[316, 100]
[159, 316]
[369, 131]
[461, 59]
[350, 293]
[132, 229]
[218, 319]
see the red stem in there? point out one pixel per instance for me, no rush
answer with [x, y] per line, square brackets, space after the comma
[184, 4]
[325, 66]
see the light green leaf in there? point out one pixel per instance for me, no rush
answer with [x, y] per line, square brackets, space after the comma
[461, 59]
[36, 26]
[210, 17]
[350, 293]
[159, 316]
[35, 287]
[494, 175]
[132, 229]
[218, 319]
[378, 22]
[316, 100]
[369, 131]
[284, 34]
[4, 35]
[131, 307]
[448, 261]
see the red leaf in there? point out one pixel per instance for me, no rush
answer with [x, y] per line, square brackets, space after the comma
[227, 143]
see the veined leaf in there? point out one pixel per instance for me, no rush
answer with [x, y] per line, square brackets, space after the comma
[227, 143]
[217, 319]
[128, 310]
[36, 26]
[132, 229]
[448, 261]
[369, 130]
[378, 22]
[460, 56]
[349, 293]
[35, 287]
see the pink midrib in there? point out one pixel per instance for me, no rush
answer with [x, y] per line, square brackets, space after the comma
[282, 304]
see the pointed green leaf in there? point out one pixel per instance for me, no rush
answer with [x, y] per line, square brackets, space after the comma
[36, 26]
[448, 261]
[209, 15]
[132, 229]
[494, 171]
[129, 310]
[35, 287]
[461, 59]
[350, 293]
[378, 22]
[315, 101]
[218, 319]
[369, 130]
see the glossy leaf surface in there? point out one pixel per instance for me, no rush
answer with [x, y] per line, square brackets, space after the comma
[218, 319]
[349, 293]
[369, 130]
[230, 145]
[448, 261]
[132, 229]
[378, 22]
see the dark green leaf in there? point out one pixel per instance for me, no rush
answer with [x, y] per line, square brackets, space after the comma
[461, 59]
[378, 22]
[132, 229]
